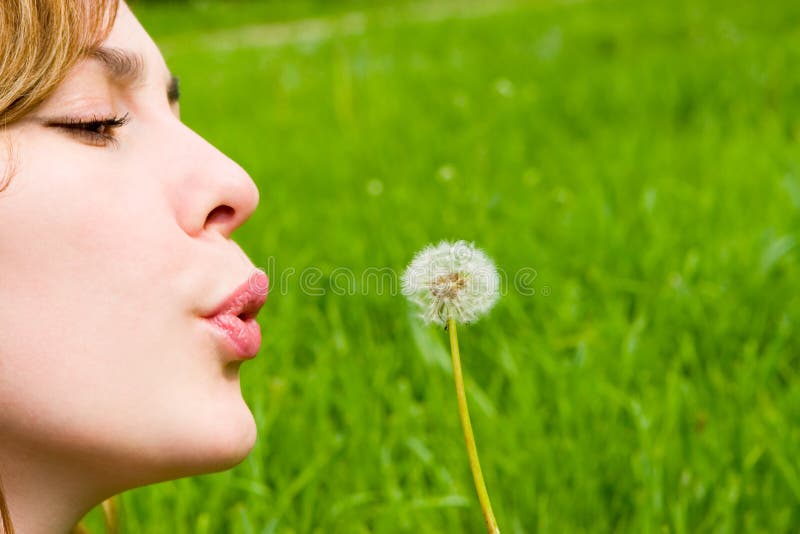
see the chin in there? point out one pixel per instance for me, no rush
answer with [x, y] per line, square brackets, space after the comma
[233, 444]
[216, 440]
[225, 443]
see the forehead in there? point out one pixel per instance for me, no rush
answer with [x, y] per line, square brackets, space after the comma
[127, 34]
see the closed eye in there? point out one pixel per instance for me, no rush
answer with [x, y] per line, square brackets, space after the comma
[173, 90]
[95, 130]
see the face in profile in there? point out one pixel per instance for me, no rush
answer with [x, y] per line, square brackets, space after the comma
[115, 245]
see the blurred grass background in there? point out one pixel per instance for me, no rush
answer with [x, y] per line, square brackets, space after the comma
[642, 157]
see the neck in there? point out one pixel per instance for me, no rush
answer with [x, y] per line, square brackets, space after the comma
[47, 494]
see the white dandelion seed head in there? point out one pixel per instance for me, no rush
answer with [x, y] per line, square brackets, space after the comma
[452, 280]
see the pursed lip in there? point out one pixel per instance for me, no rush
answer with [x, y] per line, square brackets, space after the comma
[234, 319]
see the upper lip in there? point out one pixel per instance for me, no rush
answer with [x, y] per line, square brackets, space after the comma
[246, 300]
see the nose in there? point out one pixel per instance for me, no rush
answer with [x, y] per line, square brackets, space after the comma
[213, 194]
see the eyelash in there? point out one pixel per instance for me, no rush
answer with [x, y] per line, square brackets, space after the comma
[95, 130]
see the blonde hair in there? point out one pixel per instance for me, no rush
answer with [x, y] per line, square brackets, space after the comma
[41, 40]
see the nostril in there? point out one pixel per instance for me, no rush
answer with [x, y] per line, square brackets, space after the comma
[220, 215]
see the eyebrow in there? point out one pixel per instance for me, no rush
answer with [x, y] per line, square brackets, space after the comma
[128, 68]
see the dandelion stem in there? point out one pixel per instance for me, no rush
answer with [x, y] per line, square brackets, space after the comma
[469, 438]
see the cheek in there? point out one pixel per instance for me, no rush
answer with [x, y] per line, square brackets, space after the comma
[84, 237]
[99, 347]
[94, 317]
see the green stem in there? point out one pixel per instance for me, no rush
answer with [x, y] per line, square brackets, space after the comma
[469, 438]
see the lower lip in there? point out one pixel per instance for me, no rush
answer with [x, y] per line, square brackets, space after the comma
[242, 338]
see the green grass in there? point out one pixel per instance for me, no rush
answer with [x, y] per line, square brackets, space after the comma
[642, 157]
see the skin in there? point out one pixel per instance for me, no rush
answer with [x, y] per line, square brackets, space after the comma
[109, 254]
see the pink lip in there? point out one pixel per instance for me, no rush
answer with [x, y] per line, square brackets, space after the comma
[235, 317]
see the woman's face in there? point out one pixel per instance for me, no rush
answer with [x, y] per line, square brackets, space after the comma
[114, 243]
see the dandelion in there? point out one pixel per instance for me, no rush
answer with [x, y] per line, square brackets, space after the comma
[456, 283]
[452, 280]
